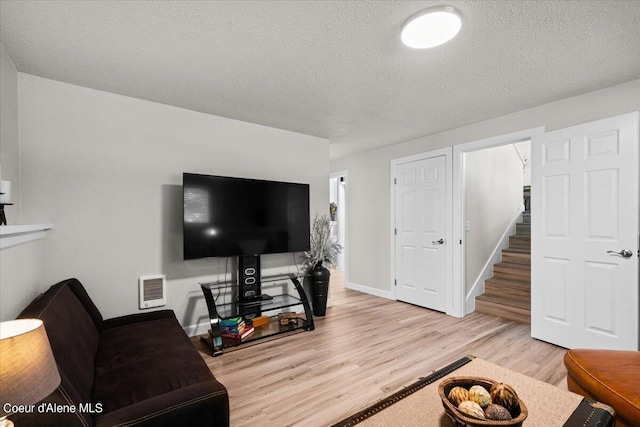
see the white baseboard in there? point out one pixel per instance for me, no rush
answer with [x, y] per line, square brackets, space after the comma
[369, 290]
[487, 270]
[197, 329]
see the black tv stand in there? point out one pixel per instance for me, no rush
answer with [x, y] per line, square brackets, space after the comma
[257, 299]
[249, 275]
[271, 307]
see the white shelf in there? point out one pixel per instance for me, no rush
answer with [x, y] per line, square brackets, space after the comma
[11, 235]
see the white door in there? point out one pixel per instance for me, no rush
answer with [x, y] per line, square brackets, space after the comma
[420, 232]
[584, 235]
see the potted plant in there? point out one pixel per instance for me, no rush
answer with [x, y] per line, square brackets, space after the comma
[323, 251]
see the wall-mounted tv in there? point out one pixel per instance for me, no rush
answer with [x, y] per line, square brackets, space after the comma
[226, 216]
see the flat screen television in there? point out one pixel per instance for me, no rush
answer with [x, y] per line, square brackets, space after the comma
[226, 216]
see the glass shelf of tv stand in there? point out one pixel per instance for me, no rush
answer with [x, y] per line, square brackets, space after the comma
[235, 309]
[272, 307]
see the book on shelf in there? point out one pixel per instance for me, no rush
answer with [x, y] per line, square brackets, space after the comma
[233, 329]
[233, 325]
[232, 322]
[240, 335]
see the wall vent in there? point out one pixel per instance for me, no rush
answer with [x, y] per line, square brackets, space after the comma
[153, 291]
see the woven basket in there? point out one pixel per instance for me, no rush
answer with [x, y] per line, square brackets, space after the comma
[462, 419]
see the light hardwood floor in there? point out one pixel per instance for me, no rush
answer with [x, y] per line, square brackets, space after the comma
[363, 350]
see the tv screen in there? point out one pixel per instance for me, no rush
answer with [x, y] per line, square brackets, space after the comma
[225, 216]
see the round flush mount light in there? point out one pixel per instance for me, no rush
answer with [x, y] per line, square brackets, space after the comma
[431, 27]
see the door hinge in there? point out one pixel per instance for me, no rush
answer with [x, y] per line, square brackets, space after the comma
[395, 282]
[395, 231]
[460, 241]
[395, 181]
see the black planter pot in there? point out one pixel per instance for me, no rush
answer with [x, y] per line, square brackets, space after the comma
[319, 289]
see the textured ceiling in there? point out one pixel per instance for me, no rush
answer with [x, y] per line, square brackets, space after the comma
[334, 69]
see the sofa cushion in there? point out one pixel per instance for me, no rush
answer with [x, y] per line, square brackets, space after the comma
[81, 293]
[204, 404]
[73, 337]
[142, 359]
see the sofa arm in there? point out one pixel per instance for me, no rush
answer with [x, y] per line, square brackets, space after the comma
[150, 316]
[608, 376]
[204, 404]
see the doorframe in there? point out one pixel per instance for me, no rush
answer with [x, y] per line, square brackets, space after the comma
[458, 294]
[345, 175]
[448, 156]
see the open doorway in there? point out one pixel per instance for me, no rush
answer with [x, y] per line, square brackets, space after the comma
[497, 235]
[338, 212]
[486, 208]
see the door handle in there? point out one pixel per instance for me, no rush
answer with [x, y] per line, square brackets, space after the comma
[625, 253]
[437, 242]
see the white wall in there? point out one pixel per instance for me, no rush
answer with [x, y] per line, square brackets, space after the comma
[106, 171]
[21, 277]
[369, 196]
[9, 142]
[493, 193]
[21, 267]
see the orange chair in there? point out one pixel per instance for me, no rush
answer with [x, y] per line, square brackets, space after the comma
[608, 376]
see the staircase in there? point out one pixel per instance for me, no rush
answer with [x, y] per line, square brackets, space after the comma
[508, 293]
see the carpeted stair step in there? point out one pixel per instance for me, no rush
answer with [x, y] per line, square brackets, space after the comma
[504, 308]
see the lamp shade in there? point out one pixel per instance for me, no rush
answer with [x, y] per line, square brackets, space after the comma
[28, 370]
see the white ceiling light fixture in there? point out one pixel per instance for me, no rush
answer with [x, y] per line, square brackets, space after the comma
[431, 27]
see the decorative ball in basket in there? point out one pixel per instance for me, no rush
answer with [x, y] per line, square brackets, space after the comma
[479, 402]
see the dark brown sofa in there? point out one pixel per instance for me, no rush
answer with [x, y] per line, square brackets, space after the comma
[136, 370]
